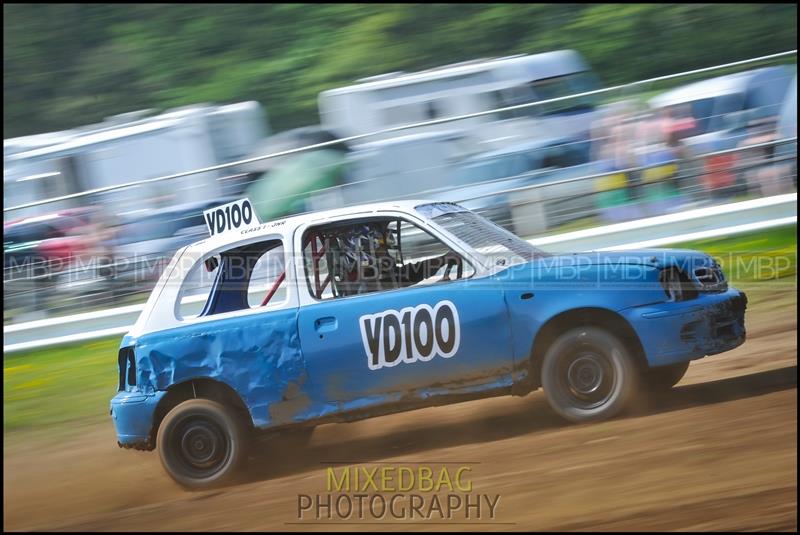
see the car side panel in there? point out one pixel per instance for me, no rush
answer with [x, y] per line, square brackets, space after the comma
[710, 323]
[528, 316]
[258, 355]
[338, 364]
[534, 298]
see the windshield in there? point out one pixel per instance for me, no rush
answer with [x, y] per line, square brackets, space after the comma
[561, 86]
[26, 233]
[500, 246]
[546, 89]
[709, 112]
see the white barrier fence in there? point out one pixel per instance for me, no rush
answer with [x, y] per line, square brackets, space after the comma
[720, 220]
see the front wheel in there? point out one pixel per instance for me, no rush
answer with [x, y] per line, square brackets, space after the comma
[588, 374]
[201, 443]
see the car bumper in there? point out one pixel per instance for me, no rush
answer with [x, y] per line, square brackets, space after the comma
[132, 413]
[677, 332]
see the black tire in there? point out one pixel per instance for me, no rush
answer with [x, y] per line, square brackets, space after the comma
[202, 443]
[588, 374]
[663, 378]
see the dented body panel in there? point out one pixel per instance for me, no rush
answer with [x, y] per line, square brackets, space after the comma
[676, 332]
[310, 361]
[258, 356]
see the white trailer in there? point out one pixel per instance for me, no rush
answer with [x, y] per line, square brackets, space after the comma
[396, 99]
[122, 150]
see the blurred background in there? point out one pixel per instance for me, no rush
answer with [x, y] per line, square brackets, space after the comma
[576, 126]
[103, 104]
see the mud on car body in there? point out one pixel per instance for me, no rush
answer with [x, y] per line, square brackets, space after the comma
[274, 328]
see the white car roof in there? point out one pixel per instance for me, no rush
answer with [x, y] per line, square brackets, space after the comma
[158, 313]
[286, 226]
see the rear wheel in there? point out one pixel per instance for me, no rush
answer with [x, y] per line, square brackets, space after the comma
[201, 443]
[664, 377]
[588, 374]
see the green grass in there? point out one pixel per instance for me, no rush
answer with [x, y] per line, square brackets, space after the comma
[56, 389]
[55, 386]
[763, 264]
[754, 258]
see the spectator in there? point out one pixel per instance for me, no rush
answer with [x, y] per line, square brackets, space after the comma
[761, 180]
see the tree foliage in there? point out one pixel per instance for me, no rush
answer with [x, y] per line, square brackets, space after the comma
[71, 64]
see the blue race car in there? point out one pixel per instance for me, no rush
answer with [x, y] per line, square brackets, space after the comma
[273, 328]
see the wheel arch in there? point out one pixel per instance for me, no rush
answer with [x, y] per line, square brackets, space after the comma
[576, 317]
[199, 388]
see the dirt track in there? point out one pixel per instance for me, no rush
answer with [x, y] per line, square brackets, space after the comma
[718, 453]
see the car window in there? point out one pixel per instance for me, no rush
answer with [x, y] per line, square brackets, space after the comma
[419, 246]
[500, 246]
[236, 279]
[316, 265]
[560, 86]
[767, 94]
[266, 279]
[561, 156]
[28, 232]
[376, 254]
[709, 112]
[196, 288]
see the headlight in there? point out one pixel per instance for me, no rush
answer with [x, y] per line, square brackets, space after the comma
[711, 279]
[677, 285]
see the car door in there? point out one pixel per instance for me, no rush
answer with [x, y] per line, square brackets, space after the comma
[375, 347]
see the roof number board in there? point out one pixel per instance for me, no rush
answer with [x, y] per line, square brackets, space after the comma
[229, 217]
